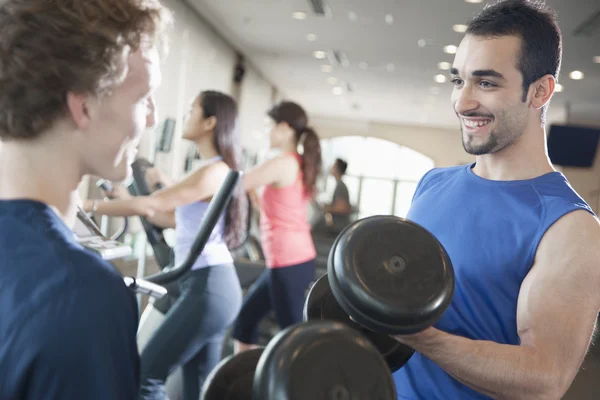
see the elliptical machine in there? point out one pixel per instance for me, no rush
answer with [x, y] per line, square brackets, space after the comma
[249, 259]
[158, 286]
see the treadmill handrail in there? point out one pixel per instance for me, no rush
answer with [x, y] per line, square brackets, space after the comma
[217, 206]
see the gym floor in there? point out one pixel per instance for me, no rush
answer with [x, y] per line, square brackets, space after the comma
[585, 387]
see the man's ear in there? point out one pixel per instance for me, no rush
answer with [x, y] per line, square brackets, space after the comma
[542, 89]
[78, 109]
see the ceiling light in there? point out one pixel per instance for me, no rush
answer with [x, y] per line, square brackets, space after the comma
[576, 75]
[440, 78]
[332, 80]
[459, 28]
[352, 16]
[311, 37]
[390, 67]
[474, 1]
[558, 88]
[422, 43]
[320, 54]
[299, 15]
[363, 65]
[326, 68]
[337, 91]
[444, 65]
[597, 59]
[450, 49]
[389, 19]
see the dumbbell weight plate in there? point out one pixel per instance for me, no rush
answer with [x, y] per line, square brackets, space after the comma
[322, 360]
[390, 275]
[321, 305]
[233, 377]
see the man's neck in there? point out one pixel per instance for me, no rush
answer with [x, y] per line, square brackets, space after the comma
[38, 170]
[524, 159]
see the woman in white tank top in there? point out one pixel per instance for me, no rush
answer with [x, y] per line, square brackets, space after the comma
[192, 334]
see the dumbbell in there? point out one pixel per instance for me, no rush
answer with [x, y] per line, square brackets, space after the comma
[315, 360]
[386, 275]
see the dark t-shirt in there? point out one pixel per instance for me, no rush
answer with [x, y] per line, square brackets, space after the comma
[340, 192]
[67, 321]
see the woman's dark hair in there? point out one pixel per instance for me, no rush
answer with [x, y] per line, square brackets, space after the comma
[296, 118]
[228, 144]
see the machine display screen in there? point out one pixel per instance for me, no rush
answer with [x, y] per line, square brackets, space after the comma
[82, 230]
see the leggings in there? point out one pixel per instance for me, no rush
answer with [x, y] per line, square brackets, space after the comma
[192, 333]
[282, 289]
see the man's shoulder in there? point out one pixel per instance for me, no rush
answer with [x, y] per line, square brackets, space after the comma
[78, 324]
[440, 174]
[340, 186]
[445, 171]
[556, 193]
[39, 265]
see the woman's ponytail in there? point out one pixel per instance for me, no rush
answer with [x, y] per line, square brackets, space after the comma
[311, 159]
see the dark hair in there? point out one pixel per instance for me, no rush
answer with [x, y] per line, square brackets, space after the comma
[341, 165]
[536, 25]
[51, 48]
[295, 116]
[228, 144]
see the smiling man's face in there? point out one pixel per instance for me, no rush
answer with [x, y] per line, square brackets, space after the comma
[488, 93]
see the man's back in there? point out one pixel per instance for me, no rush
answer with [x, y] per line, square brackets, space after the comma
[67, 322]
[340, 192]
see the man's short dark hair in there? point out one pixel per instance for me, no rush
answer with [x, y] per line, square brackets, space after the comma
[536, 25]
[341, 165]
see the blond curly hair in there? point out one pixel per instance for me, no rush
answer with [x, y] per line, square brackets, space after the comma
[49, 48]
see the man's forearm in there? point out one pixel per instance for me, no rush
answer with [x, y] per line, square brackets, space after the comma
[497, 370]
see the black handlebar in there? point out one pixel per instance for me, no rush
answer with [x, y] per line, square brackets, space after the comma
[217, 206]
[108, 187]
[144, 287]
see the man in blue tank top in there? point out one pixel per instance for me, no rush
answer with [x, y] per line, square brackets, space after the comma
[76, 87]
[524, 245]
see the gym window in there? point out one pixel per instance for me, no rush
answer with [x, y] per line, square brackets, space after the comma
[381, 177]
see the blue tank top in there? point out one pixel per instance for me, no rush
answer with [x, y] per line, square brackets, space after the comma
[187, 220]
[491, 230]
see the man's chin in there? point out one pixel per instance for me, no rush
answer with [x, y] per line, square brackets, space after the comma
[122, 174]
[474, 149]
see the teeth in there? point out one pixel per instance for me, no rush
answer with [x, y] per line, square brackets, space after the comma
[475, 124]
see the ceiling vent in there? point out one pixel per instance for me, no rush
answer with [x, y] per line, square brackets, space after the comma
[338, 57]
[589, 27]
[318, 7]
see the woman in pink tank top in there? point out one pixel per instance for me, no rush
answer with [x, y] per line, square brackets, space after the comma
[288, 183]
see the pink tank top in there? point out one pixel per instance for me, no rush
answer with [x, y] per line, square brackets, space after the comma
[284, 227]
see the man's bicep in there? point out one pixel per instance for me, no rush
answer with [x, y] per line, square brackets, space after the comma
[90, 350]
[559, 299]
